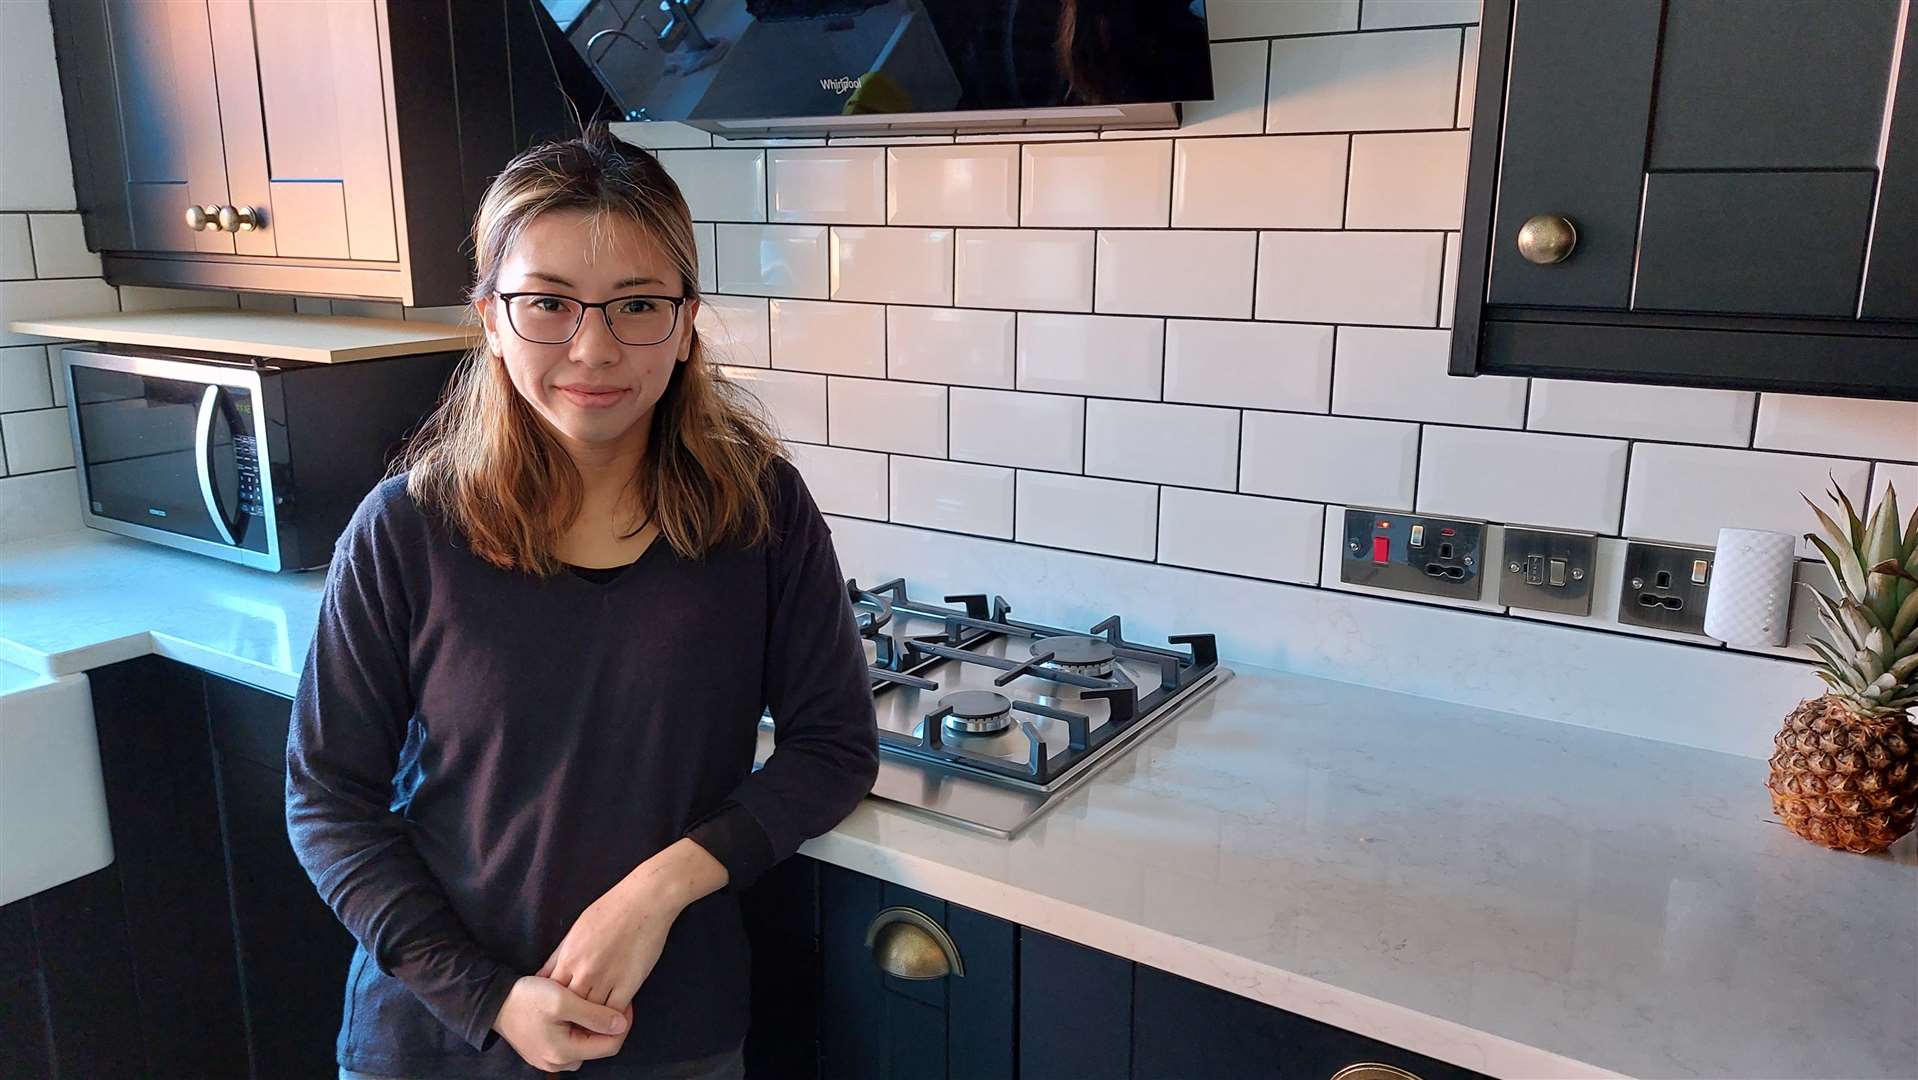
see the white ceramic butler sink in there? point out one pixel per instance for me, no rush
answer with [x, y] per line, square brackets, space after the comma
[53, 803]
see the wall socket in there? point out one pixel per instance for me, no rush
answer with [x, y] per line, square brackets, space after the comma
[1413, 553]
[1548, 571]
[1664, 587]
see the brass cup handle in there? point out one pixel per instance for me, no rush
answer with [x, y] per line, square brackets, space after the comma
[907, 944]
[239, 218]
[1372, 1070]
[202, 218]
[1547, 238]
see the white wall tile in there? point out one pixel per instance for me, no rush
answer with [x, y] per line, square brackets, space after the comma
[832, 339]
[794, 401]
[661, 134]
[1448, 284]
[1902, 477]
[57, 374]
[1685, 494]
[60, 246]
[1468, 79]
[1237, 105]
[144, 298]
[1102, 184]
[1172, 272]
[24, 382]
[898, 417]
[1106, 355]
[1030, 269]
[1263, 182]
[37, 441]
[1553, 481]
[950, 345]
[359, 309]
[1193, 445]
[1252, 365]
[448, 314]
[1364, 82]
[1329, 459]
[1271, 18]
[1377, 278]
[320, 305]
[843, 481]
[1005, 427]
[720, 185]
[1667, 413]
[952, 495]
[1110, 517]
[953, 185]
[735, 330]
[36, 172]
[39, 504]
[1400, 374]
[828, 186]
[1240, 534]
[706, 250]
[1408, 180]
[772, 260]
[45, 299]
[1385, 14]
[886, 140]
[892, 266]
[16, 248]
[1830, 425]
[722, 142]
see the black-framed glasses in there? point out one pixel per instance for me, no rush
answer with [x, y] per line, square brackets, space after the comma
[545, 318]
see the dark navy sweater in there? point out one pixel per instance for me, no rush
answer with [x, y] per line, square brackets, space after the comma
[476, 755]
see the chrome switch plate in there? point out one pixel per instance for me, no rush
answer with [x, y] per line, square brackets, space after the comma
[1548, 571]
[1665, 586]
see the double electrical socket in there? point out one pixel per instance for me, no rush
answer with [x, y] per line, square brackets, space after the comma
[1413, 553]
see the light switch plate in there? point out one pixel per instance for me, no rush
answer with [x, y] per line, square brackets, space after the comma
[1664, 587]
[1413, 553]
[1548, 571]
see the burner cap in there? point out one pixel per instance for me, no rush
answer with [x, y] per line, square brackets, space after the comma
[977, 711]
[1078, 653]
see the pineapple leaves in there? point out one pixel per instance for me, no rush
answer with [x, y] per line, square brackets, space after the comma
[1837, 493]
[1906, 619]
[1847, 569]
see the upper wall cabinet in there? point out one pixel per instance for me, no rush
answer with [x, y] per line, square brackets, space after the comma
[327, 147]
[1695, 192]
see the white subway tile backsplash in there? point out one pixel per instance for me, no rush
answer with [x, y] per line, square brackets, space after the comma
[45, 299]
[735, 330]
[16, 248]
[1666, 413]
[37, 441]
[1468, 78]
[1109, 517]
[898, 417]
[363, 309]
[24, 380]
[892, 266]
[1264, 182]
[1031, 431]
[1246, 535]
[661, 134]
[952, 495]
[1110, 356]
[1408, 180]
[1374, 278]
[706, 250]
[1902, 478]
[39, 504]
[953, 185]
[1272, 18]
[320, 305]
[827, 186]
[1031, 269]
[144, 298]
[57, 374]
[950, 345]
[1248, 364]
[829, 338]
[1206, 274]
[1237, 106]
[1401, 375]
[1192, 445]
[794, 401]
[1685, 494]
[1855, 427]
[1388, 14]
[1448, 284]
[851, 482]
[1111, 184]
[1552, 481]
[720, 185]
[1364, 82]
[1329, 459]
[772, 260]
[60, 246]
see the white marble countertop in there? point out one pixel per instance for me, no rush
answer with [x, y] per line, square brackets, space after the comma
[1516, 896]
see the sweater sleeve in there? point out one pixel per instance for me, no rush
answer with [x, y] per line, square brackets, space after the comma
[825, 736]
[349, 720]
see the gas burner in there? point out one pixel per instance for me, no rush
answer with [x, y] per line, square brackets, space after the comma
[1078, 654]
[977, 712]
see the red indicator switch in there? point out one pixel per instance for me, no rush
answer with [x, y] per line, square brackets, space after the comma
[1381, 549]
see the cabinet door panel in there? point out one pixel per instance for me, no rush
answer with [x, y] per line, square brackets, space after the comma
[170, 121]
[1759, 243]
[1891, 276]
[243, 130]
[310, 218]
[1075, 1010]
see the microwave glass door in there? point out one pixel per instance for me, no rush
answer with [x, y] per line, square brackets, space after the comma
[171, 454]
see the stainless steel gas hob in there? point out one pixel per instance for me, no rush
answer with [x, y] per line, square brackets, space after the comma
[985, 721]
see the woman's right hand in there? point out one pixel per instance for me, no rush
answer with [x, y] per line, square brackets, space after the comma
[555, 1029]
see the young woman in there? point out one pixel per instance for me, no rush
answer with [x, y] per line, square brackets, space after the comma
[520, 762]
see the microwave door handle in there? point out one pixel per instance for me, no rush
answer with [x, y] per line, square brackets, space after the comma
[203, 459]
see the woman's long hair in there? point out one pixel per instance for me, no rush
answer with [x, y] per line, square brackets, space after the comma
[483, 458]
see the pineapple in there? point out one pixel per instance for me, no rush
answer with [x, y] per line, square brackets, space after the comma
[1845, 771]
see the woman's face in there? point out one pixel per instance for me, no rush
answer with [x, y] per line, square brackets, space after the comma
[595, 391]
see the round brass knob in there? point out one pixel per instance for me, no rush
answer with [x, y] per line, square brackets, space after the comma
[238, 218]
[1372, 1070]
[909, 945]
[202, 218]
[1547, 238]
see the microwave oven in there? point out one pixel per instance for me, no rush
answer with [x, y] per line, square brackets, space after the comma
[255, 460]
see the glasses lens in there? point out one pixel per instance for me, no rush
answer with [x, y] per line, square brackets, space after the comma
[547, 320]
[642, 320]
